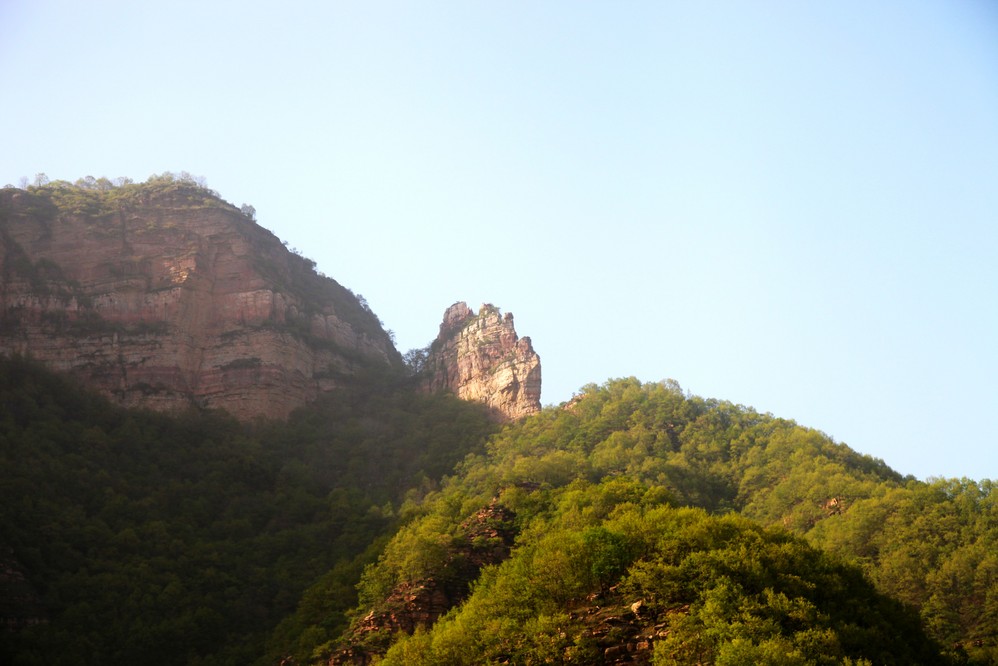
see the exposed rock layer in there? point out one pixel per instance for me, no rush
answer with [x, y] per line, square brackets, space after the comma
[174, 298]
[479, 357]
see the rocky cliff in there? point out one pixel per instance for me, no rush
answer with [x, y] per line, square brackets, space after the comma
[162, 295]
[479, 357]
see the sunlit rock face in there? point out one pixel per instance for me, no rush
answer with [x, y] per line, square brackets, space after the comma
[177, 299]
[479, 357]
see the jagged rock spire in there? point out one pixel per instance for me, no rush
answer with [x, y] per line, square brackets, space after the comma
[480, 358]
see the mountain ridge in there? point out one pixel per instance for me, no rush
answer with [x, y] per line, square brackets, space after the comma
[388, 519]
[163, 295]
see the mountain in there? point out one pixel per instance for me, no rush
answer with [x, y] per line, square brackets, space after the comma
[419, 509]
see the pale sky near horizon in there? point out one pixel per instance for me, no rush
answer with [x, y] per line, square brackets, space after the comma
[788, 205]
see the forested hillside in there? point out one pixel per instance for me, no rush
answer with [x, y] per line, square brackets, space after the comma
[151, 539]
[636, 524]
[797, 549]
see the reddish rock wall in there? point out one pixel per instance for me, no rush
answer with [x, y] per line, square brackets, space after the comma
[176, 299]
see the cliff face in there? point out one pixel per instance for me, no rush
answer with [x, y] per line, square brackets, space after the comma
[479, 357]
[167, 296]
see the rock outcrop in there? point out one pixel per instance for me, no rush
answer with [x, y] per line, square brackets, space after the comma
[485, 538]
[162, 295]
[479, 357]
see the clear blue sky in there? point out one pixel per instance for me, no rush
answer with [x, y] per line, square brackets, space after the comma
[789, 205]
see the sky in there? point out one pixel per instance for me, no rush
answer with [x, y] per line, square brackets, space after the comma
[791, 206]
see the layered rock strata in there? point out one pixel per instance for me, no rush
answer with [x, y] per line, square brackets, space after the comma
[171, 297]
[479, 357]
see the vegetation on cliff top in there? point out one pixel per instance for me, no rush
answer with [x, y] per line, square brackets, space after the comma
[95, 197]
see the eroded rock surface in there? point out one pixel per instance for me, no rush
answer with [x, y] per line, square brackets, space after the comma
[480, 357]
[172, 297]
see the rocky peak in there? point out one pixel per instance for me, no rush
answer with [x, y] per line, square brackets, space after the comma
[479, 357]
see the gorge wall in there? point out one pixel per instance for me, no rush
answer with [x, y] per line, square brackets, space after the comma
[162, 295]
[479, 357]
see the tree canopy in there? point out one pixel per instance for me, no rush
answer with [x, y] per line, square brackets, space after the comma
[635, 518]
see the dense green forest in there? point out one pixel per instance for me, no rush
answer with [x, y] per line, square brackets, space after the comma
[799, 551]
[153, 539]
[635, 522]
